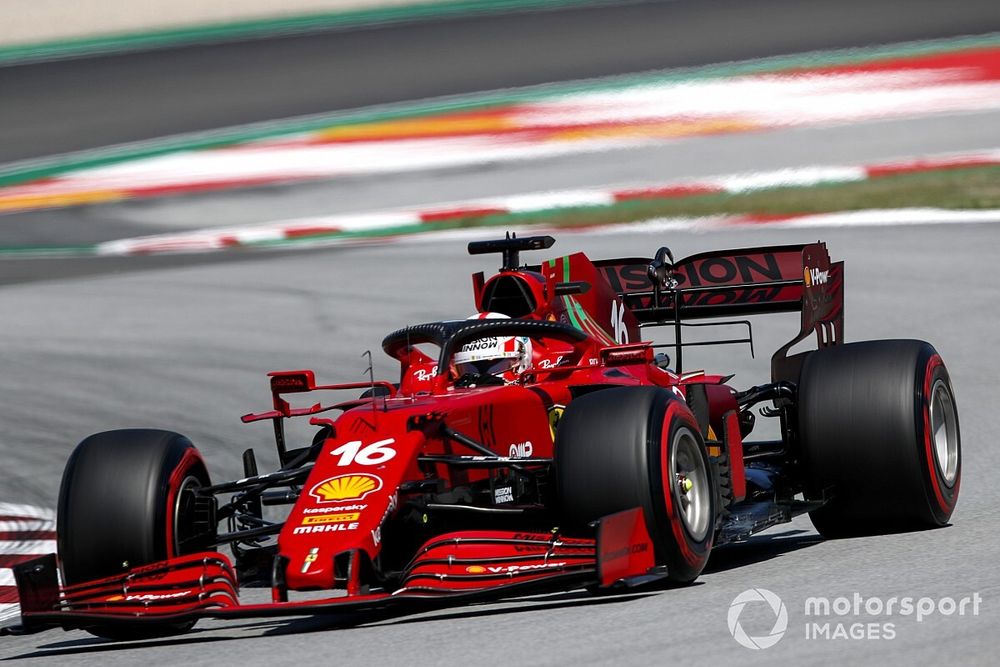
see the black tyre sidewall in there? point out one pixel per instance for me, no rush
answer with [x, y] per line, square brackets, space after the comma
[684, 556]
[613, 454]
[864, 427]
[117, 498]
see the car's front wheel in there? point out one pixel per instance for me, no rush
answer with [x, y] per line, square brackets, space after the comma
[628, 447]
[128, 498]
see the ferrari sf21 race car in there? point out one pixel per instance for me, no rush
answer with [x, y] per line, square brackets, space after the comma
[539, 445]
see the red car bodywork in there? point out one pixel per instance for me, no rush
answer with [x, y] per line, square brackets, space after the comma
[424, 436]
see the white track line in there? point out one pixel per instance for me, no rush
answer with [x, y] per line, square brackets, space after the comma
[9, 611]
[886, 218]
[27, 525]
[26, 511]
[15, 547]
[23, 519]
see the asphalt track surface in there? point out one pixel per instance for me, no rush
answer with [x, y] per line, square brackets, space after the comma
[184, 344]
[186, 348]
[54, 107]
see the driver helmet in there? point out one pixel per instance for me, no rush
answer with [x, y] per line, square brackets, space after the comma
[505, 357]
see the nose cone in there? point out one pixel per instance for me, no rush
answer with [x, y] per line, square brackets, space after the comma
[350, 493]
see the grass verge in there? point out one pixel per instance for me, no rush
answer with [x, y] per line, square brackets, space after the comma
[957, 188]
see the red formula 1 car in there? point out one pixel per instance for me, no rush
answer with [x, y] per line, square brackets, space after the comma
[540, 445]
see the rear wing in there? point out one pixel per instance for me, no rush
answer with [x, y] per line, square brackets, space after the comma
[736, 283]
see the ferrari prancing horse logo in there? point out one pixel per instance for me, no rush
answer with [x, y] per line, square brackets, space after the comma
[555, 414]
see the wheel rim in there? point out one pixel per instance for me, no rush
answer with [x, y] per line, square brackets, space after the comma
[944, 432]
[691, 485]
[182, 510]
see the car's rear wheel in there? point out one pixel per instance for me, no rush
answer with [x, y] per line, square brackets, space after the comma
[880, 437]
[128, 499]
[628, 447]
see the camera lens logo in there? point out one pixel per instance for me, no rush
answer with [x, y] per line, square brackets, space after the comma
[780, 618]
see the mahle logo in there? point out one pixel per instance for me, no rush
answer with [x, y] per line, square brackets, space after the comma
[756, 642]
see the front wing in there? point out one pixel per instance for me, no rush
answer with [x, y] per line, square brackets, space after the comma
[450, 570]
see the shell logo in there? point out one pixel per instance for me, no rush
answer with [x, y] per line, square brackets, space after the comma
[807, 276]
[475, 569]
[345, 487]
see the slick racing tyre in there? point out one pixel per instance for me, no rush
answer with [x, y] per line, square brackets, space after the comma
[127, 500]
[880, 437]
[628, 447]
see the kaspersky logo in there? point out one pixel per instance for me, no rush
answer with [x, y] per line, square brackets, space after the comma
[344, 488]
